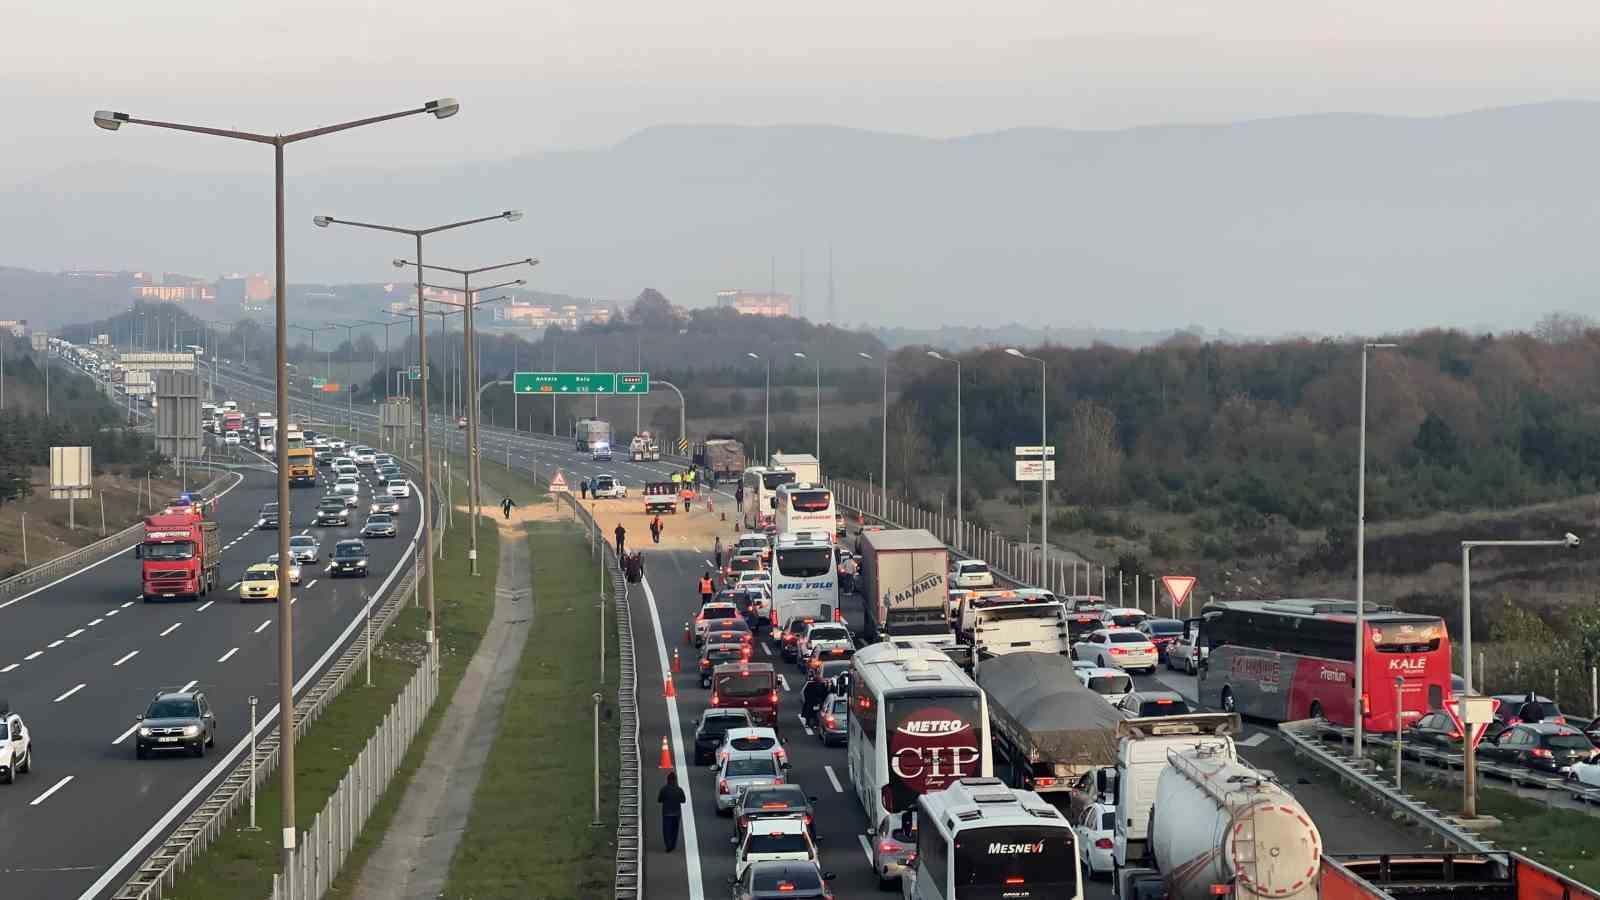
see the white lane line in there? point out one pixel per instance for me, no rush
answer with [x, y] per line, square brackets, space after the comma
[833, 780]
[229, 655]
[263, 626]
[233, 587]
[113, 612]
[54, 644]
[69, 693]
[170, 629]
[185, 688]
[130, 655]
[765, 650]
[1254, 740]
[311, 584]
[10, 667]
[94, 623]
[128, 604]
[33, 656]
[785, 682]
[138, 596]
[866, 848]
[124, 736]
[53, 788]
[691, 843]
[74, 633]
[204, 606]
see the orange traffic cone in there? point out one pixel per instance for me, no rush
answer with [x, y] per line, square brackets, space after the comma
[666, 756]
[676, 665]
[671, 690]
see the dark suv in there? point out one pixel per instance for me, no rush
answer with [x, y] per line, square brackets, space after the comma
[332, 511]
[1544, 746]
[349, 558]
[269, 516]
[176, 720]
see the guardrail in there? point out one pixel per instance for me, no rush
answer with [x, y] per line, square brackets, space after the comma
[75, 559]
[1305, 737]
[160, 870]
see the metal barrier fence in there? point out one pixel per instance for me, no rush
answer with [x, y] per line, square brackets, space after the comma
[75, 559]
[160, 870]
[324, 847]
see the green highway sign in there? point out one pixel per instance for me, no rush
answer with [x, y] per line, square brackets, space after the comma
[633, 382]
[564, 383]
[414, 373]
[317, 383]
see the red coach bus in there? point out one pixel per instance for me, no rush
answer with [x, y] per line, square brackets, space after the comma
[1295, 659]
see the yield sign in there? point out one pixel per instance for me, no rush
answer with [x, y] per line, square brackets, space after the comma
[1477, 729]
[1178, 586]
[558, 484]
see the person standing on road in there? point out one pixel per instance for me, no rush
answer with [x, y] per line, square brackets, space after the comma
[706, 588]
[717, 550]
[583, 489]
[622, 537]
[506, 506]
[655, 530]
[671, 799]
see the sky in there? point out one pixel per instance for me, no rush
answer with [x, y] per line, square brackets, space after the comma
[563, 74]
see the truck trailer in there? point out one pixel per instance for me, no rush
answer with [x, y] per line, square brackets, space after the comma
[1047, 729]
[804, 466]
[721, 457]
[904, 584]
[587, 434]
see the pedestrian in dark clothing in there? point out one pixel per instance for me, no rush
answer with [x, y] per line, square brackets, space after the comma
[718, 551]
[507, 505]
[622, 537]
[671, 799]
[811, 698]
[583, 489]
[738, 496]
[655, 529]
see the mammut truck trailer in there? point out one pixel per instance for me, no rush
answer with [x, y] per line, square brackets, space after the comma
[904, 583]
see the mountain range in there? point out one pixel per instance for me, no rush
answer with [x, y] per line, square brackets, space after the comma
[1326, 223]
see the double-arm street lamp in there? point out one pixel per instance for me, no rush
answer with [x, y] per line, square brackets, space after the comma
[471, 362]
[1361, 558]
[111, 121]
[934, 354]
[1044, 456]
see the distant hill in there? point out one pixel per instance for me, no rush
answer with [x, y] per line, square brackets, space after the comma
[1327, 223]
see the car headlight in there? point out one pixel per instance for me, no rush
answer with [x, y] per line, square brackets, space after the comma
[144, 732]
[362, 561]
[191, 730]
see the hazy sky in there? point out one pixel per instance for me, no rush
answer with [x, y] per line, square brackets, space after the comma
[564, 74]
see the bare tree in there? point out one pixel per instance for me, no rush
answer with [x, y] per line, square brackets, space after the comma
[909, 444]
[1094, 460]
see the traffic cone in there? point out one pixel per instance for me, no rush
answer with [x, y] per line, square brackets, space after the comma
[676, 665]
[671, 690]
[666, 756]
[686, 632]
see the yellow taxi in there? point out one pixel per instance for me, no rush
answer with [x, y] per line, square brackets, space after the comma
[260, 582]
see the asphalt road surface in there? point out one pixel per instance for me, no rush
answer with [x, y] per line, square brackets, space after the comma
[81, 658]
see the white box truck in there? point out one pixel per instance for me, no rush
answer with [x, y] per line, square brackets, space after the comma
[805, 467]
[904, 584]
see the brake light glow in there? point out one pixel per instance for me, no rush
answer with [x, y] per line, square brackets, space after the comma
[785, 886]
[713, 698]
[1117, 651]
[722, 786]
[1103, 843]
[888, 847]
[1044, 781]
[829, 720]
[1014, 879]
[1541, 753]
[774, 806]
[773, 697]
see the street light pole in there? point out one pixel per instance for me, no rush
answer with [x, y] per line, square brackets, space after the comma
[682, 407]
[883, 475]
[960, 519]
[1044, 455]
[1361, 559]
[799, 355]
[111, 121]
[766, 437]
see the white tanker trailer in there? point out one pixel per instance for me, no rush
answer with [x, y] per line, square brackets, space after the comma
[1219, 827]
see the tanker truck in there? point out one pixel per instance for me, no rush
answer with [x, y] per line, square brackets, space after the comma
[1142, 748]
[1221, 828]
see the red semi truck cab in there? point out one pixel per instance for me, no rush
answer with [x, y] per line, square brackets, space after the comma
[180, 556]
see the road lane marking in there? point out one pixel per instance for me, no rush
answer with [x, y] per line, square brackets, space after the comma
[128, 604]
[10, 667]
[235, 585]
[53, 788]
[54, 644]
[185, 688]
[204, 606]
[124, 659]
[312, 583]
[170, 629]
[866, 848]
[229, 655]
[785, 682]
[94, 623]
[263, 626]
[1254, 740]
[69, 693]
[112, 612]
[33, 656]
[833, 780]
[74, 632]
[124, 736]
[691, 843]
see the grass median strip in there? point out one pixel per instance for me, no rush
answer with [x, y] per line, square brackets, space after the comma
[241, 863]
[530, 831]
[1562, 839]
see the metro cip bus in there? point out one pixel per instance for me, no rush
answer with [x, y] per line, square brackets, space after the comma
[980, 839]
[761, 495]
[805, 581]
[1285, 660]
[917, 724]
[805, 507]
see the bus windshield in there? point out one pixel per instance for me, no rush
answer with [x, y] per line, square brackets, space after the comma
[1406, 637]
[933, 740]
[810, 501]
[805, 562]
[1019, 857]
[751, 684]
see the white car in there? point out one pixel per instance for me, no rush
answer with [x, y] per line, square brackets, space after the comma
[349, 488]
[344, 466]
[774, 839]
[750, 740]
[1120, 648]
[1586, 773]
[231, 438]
[1094, 838]
[364, 456]
[16, 747]
[742, 769]
[398, 487]
[1183, 654]
[1112, 684]
[754, 579]
[819, 633]
[1124, 617]
[336, 444]
[294, 567]
[609, 487]
[973, 573]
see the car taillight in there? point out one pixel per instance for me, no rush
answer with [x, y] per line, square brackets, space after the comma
[722, 786]
[888, 847]
[1541, 753]
[1117, 651]
[713, 698]
[1102, 843]
[807, 818]
[773, 698]
[1045, 781]
[778, 780]
[1014, 879]
[828, 720]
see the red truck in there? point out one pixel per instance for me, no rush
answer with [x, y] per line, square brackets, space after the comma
[181, 556]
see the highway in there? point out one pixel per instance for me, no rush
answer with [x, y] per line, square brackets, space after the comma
[82, 657]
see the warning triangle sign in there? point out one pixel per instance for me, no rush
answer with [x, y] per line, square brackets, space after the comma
[558, 484]
[1178, 586]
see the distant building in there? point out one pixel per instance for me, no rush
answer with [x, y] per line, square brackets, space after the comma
[244, 290]
[756, 303]
[174, 293]
[18, 327]
[543, 315]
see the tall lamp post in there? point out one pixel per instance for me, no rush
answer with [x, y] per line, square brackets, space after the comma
[960, 520]
[1361, 558]
[1044, 460]
[111, 121]
[470, 377]
[1469, 768]
[417, 234]
[799, 355]
[883, 478]
[766, 437]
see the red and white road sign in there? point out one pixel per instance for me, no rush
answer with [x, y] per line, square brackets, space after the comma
[558, 484]
[1178, 587]
[1478, 729]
